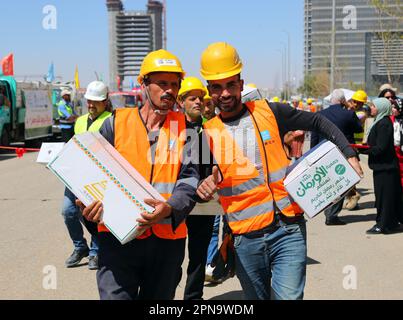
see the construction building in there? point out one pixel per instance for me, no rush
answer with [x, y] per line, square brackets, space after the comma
[132, 35]
[368, 43]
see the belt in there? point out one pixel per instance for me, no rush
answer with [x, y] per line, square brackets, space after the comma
[274, 226]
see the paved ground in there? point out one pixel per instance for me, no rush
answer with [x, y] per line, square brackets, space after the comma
[34, 245]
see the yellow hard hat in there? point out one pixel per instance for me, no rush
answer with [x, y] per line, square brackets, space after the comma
[191, 83]
[207, 96]
[284, 101]
[252, 85]
[276, 99]
[309, 101]
[360, 96]
[160, 61]
[220, 61]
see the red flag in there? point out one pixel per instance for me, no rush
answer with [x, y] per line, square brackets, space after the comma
[119, 82]
[7, 64]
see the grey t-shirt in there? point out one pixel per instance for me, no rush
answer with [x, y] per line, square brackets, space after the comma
[243, 132]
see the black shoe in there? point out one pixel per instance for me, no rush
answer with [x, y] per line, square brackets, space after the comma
[93, 263]
[76, 257]
[334, 222]
[377, 230]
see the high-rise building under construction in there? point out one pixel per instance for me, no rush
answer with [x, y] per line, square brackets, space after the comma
[132, 35]
[368, 41]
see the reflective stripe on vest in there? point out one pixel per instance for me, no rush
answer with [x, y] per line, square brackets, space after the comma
[81, 123]
[131, 140]
[68, 108]
[244, 193]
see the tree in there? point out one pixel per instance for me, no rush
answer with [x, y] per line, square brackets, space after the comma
[391, 8]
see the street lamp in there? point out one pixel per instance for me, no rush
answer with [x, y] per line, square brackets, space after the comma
[288, 63]
[283, 71]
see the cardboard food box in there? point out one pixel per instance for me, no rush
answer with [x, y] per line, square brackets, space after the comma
[320, 178]
[93, 170]
[48, 151]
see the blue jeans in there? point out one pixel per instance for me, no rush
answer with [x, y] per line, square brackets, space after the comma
[213, 246]
[73, 218]
[273, 261]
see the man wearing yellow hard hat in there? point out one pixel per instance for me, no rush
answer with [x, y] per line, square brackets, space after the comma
[268, 226]
[358, 100]
[151, 140]
[209, 108]
[191, 98]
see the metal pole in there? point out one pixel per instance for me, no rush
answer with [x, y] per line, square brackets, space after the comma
[284, 64]
[289, 69]
[333, 49]
[288, 64]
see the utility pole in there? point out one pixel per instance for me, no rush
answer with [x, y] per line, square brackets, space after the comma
[288, 64]
[165, 25]
[333, 48]
[283, 71]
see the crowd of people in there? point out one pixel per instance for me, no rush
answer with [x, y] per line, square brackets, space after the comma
[216, 160]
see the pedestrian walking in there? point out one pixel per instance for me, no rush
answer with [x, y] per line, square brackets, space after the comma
[384, 163]
[348, 123]
[97, 99]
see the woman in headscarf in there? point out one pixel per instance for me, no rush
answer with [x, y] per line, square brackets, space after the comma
[388, 94]
[383, 161]
[397, 120]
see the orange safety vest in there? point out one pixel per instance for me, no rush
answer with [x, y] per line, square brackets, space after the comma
[131, 140]
[248, 198]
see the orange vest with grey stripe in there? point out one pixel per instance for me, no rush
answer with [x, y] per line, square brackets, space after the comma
[248, 198]
[131, 140]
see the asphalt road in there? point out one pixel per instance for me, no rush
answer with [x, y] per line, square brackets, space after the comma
[344, 262]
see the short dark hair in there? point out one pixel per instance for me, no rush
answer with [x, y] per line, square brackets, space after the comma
[383, 92]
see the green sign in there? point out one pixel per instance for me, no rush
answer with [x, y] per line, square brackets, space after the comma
[340, 169]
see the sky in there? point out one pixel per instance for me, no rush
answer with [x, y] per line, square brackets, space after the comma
[256, 28]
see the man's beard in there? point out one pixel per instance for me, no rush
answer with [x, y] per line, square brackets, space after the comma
[229, 107]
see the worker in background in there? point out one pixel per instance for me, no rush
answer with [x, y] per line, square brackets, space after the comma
[357, 102]
[153, 140]
[67, 116]
[348, 123]
[208, 111]
[268, 226]
[191, 99]
[97, 100]
[310, 107]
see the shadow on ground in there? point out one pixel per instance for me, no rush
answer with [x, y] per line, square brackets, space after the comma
[232, 295]
[358, 218]
[364, 191]
[312, 261]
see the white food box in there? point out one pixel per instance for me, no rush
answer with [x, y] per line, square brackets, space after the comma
[48, 151]
[94, 170]
[320, 178]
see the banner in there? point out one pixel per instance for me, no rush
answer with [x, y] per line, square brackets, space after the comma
[7, 65]
[50, 77]
[39, 110]
[76, 79]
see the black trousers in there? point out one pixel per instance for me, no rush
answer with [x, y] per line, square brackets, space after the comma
[333, 211]
[200, 229]
[67, 134]
[388, 193]
[148, 269]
